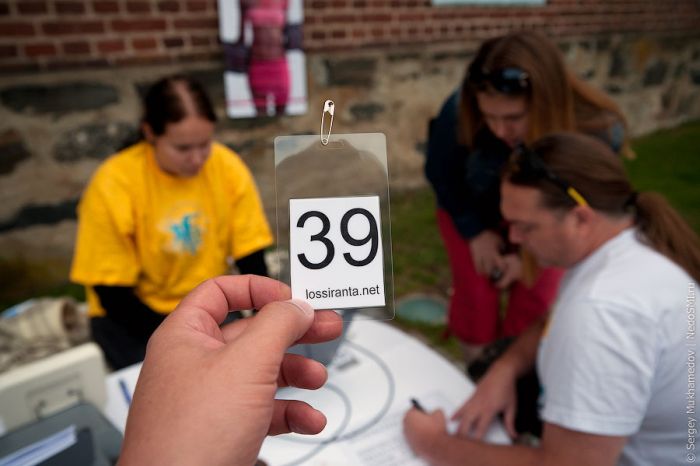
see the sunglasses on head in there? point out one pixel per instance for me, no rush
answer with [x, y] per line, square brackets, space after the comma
[531, 165]
[505, 80]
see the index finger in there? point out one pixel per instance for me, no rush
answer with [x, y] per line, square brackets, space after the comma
[220, 295]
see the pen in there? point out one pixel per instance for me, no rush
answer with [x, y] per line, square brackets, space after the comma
[125, 391]
[417, 405]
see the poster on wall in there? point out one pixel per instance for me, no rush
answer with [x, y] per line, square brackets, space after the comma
[489, 2]
[265, 66]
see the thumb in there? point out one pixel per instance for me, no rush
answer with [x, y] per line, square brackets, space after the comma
[274, 329]
[509, 421]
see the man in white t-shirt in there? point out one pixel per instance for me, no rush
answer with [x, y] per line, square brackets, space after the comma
[616, 358]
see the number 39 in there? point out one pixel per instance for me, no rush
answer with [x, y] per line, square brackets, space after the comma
[372, 235]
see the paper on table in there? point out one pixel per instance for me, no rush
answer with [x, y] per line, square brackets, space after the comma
[43, 449]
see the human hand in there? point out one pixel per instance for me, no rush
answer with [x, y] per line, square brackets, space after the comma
[512, 271]
[206, 394]
[495, 394]
[423, 429]
[486, 252]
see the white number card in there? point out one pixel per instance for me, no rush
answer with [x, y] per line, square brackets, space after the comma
[335, 249]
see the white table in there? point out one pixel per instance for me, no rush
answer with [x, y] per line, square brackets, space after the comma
[376, 372]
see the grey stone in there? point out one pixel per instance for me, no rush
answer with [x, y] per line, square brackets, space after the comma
[614, 89]
[695, 76]
[407, 56]
[351, 72]
[668, 99]
[12, 151]
[461, 55]
[602, 44]
[248, 123]
[213, 82]
[211, 79]
[244, 147]
[588, 74]
[687, 105]
[94, 141]
[58, 99]
[422, 147]
[673, 44]
[366, 112]
[618, 64]
[679, 71]
[40, 214]
[655, 74]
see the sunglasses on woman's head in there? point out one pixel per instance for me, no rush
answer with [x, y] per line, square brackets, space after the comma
[505, 80]
[531, 165]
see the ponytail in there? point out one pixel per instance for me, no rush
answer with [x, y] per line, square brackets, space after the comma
[665, 231]
[599, 177]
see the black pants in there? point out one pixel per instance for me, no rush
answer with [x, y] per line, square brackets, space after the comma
[527, 417]
[121, 347]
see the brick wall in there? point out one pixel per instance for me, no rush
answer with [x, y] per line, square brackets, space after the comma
[56, 34]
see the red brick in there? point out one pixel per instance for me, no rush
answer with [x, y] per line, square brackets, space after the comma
[106, 6]
[148, 24]
[32, 8]
[173, 42]
[8, 51]
[73, 64]
[17, 29]
[144, 43]
[143, 60]
[338, 34]
[319, 35]
[69, 8]
[72, 27]
[24, 67]
[4, 9]
[111, 46]
[138, 7]
[44, 49]
[376, 18]
[169, 6]
[199, 41]
[76, 48]
[197, 23]
[196, 6]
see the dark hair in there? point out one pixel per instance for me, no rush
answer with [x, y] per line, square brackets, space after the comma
[166, 101]
[591, 167]
[557, 100]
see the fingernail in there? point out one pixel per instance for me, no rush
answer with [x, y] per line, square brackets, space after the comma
[303, 306]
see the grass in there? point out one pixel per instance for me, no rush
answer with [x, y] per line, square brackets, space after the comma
[668, 161]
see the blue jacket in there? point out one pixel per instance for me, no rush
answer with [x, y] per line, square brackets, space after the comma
[467, 183]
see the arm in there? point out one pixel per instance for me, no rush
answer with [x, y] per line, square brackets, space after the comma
[495, 392]
[253, 264]
[427, 436]
[220, 419]
[123, 306]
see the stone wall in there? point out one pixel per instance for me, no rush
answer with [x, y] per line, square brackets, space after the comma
[56, 127]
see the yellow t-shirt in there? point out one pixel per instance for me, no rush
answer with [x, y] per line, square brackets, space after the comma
[163, 235]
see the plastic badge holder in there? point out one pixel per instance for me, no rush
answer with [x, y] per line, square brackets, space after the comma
[336, 251]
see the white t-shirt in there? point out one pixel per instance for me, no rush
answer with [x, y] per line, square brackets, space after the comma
[618, 355]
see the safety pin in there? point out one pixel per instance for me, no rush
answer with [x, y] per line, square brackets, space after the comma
[328, 107]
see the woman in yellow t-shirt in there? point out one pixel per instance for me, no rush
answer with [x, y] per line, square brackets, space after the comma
[162, 216]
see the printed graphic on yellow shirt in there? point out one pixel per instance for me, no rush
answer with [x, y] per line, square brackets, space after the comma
[186, 233]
